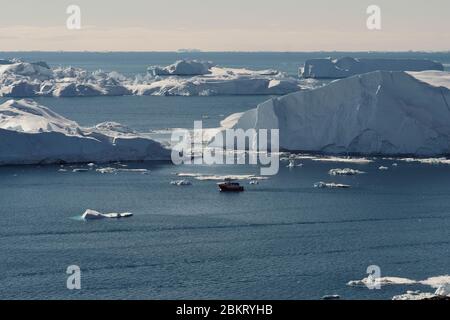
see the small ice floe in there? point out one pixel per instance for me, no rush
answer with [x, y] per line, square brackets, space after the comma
[395, 164]
[80, 170]
[181, 183]
[253, 182]
[381, 281]
[383, 168]
[331, 297]
[205, 177]
[330, 185]
[62, 170]
[95, 215]
[439, 282]
[343, 160]
[434, 161]
[117, 170]
[91, 164]
[344, 172]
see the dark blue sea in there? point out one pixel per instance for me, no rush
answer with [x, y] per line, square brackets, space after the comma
[280, 239]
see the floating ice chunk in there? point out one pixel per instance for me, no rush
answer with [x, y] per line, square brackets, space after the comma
[331, 185]
[95, 215]
[437, 281]
[80, 170]
[383, 168]
[181, 183]
[253, 182]
[372, 281]
[117, 170]
[344, 172]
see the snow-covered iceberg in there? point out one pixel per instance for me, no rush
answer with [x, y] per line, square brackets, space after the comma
[183, 68]
[221, 81]
[376, 113]
[33, 134]
[329, 68]
[183, 78]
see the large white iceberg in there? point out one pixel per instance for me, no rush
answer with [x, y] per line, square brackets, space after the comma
[347, 66]
[184, 78]
[33, 134]
[221, 81]
[375, 113]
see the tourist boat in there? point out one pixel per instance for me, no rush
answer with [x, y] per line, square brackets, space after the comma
[230, 186]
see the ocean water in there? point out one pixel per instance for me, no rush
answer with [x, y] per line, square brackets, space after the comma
[281, 239]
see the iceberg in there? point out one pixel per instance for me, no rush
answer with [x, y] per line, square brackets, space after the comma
[329, 68]
[183, 68]
[95, 215]
[331, 185]
[377, 113]
[221, 81]
[33, 134]
[382, 281]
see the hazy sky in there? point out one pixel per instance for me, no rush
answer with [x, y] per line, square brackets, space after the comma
[225, 25]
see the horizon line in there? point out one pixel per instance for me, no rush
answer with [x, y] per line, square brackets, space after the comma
[228, 51]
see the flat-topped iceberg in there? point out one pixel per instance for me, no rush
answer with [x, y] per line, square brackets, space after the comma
[378, 113]
[33, 134]
[183, 78]
[329, 68]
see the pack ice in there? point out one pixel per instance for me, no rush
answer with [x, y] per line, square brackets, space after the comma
[376, 113]
[33, 134]
[348, 66]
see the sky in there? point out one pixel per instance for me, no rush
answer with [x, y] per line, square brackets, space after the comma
[225, 25]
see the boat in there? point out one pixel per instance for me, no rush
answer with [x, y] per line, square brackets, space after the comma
[230, 186]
